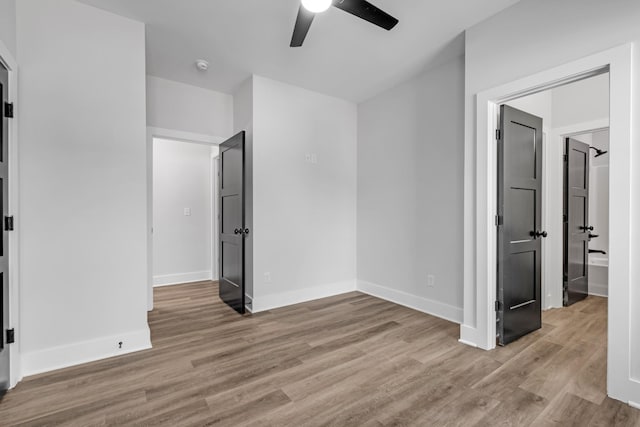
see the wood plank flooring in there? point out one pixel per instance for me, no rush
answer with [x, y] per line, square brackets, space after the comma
[350, 360]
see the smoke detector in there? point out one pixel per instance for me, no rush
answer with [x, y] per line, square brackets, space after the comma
[202, 64]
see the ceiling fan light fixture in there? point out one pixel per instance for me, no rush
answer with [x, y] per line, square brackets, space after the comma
[316, 6]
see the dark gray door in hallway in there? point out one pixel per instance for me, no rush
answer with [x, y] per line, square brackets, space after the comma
[232, 222]
[519, 308]
[4, 242]
[576, 222]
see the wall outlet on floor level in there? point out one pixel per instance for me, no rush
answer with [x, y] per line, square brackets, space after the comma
[431, 280]
[267, 277]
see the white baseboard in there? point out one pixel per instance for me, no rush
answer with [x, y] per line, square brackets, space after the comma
[425, 305]
[634, 404]
[176, 279]
[470, 336]
[469, 343]
[65, 356]
[598, 289]
[270, 302]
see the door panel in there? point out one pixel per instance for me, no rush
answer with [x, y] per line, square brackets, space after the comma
[519, 207]
[523, 202]
[4, 248]
[232, 228]
[576, 227]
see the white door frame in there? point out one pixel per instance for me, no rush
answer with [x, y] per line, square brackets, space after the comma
[215, 213]
[176, 135]
[478, 328]
[15, 375]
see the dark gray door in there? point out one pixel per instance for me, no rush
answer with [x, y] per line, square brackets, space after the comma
[4, 248]
[232, 225]
[576, 222]
[519, 235]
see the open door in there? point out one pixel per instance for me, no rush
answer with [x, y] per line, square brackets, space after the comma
[519, 308]
[577, 230]
[232, 222]
[4, 247]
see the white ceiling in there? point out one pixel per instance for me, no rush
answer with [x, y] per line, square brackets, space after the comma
[342, 55]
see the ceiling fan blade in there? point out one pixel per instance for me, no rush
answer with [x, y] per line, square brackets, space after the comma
[303, 23]
[365, 10]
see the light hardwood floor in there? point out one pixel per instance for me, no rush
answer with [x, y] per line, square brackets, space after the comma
[351, 360]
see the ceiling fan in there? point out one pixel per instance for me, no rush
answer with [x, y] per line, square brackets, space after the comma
[360, 8]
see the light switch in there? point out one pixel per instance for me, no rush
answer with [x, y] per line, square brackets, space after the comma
[187, 211]
[431, 280]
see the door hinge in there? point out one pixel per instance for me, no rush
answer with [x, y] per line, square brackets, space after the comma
[497, 305]
[11, 336]
[498, 134]
[565, 157]
[499, 220]
[8, 223]
[8, 110]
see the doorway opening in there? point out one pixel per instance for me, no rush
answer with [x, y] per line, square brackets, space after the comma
[478, 328]
[553, 225]
[578, 110]
[183, 209]
[586, 270]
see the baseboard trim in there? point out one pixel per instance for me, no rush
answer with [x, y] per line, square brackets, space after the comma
[425, 305]
[634, 404]
[469, 343]
[273, 301]
[598, 289]
[79, 353]
[179, 278]
[469, 335]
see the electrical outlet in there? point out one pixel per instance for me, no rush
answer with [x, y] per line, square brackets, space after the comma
[187, 211]
[267, 277]
[431, 280]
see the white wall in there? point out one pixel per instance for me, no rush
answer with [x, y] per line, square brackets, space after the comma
[584, 101]
[182, 249]
[410, 181]
[243, 121]
[8, 25]
[178, 106]
[304, 224]
[539, 104]
[581, 102]
[511, 45]
[82, 184]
